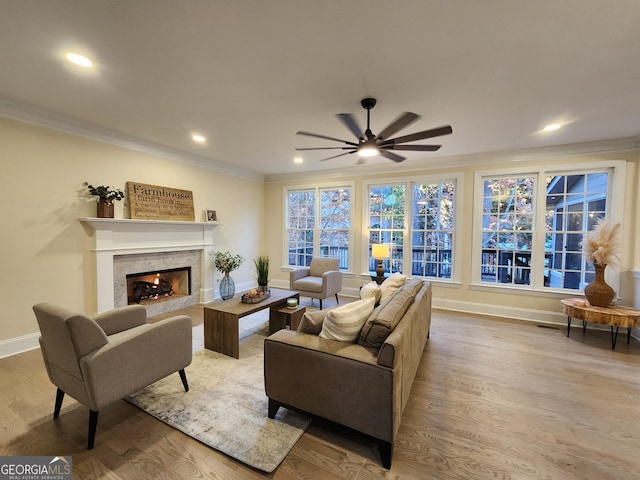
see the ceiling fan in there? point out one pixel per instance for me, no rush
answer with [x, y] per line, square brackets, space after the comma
[369, 145]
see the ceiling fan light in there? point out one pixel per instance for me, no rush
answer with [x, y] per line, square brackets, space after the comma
[368, 152]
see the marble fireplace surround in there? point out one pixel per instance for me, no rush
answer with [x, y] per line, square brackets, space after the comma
[124, 246]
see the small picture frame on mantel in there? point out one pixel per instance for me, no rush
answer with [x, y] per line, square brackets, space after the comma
[212, 216]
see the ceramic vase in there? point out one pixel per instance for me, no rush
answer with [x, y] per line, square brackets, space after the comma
[598, 292]
[227, 287]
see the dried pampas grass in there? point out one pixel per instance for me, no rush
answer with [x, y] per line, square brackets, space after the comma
[602, 244]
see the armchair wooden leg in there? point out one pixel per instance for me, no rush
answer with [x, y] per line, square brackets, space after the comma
[273, 408]
[183, 377]
[320, 304]
[337, 301]
[386, 452]
[59, 397]
[93, 424]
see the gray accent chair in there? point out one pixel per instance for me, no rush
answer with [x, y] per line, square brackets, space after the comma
[99, 360]
[321, 279]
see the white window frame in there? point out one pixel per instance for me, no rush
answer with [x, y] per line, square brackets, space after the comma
[615, 207]
[317, 188]
[458, 179]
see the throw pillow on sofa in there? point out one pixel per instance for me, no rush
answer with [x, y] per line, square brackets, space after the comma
[385, 317]
[344, 323]
[371, 289]
[391, 286]
[312, 322]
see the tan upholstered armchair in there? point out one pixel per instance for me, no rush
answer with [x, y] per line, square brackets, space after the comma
[102, 359]
[321, 279]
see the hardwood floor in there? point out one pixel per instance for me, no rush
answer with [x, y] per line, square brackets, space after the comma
[492, 399]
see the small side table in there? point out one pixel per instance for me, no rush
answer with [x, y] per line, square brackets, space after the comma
[280, 318]
[616, 316]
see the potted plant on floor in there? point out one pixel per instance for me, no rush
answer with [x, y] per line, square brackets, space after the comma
[225, 263]
[106, 196]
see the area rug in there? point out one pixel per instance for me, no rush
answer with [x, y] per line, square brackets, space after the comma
[226, 406]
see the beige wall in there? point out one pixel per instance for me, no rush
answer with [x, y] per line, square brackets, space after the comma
[466, 297]
[46, 252]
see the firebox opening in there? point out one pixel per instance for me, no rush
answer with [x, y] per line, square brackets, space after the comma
[151, 287]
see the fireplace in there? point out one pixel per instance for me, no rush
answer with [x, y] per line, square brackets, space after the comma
[147, 288]
[125, 247]
[180, 269]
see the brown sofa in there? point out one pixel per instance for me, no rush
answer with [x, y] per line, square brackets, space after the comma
[362, 387]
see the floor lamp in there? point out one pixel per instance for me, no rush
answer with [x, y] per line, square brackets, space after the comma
[380, 251]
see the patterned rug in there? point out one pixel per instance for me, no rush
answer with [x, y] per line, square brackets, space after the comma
[226, 406]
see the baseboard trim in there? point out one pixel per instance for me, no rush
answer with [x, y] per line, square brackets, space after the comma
[515, 313]
[14, 346]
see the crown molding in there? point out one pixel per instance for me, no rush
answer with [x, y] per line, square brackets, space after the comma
[36, 116]
[626, 144]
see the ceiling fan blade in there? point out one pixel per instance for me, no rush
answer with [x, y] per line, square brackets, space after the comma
[351, 123]
[392, 156]
[324, 148]
[434, 132]
[336, 156]
[309, 134]
[415, 148]
[407, 118]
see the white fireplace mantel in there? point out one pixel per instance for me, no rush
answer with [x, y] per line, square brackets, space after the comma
[125, 237]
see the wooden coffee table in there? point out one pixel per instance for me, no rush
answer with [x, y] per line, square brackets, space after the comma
[221, 319]
[616, 316]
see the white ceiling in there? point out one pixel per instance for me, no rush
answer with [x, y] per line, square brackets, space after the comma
[249, 74]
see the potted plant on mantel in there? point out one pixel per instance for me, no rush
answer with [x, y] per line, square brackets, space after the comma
[224, 262]
[106, 196]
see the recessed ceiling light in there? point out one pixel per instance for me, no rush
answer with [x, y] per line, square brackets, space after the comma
[551, 127]
[297, 160]
[198, 138]
[80, 60]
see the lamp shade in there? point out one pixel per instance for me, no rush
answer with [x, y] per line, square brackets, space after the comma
[380, 250]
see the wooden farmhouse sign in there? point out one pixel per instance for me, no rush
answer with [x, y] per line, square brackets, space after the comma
[151, 202]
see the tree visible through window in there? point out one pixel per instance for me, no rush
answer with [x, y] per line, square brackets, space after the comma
[335, 222]
[423, 246]
[432, 229]
[301, 226]
[513, 250]
[386, 224]
[507, 230]
[318, 224]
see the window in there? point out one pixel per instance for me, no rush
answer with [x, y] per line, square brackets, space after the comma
[507, 229]
[318, 224]
[432, 229]
[424, 246]
[573, 203]
[531, 225]
[386, 224]
[300, 226]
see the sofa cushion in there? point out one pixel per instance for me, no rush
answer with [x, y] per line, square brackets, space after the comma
[312, 322]
[387, 315]
[391, 285]
[371, 289]
[344, 323]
